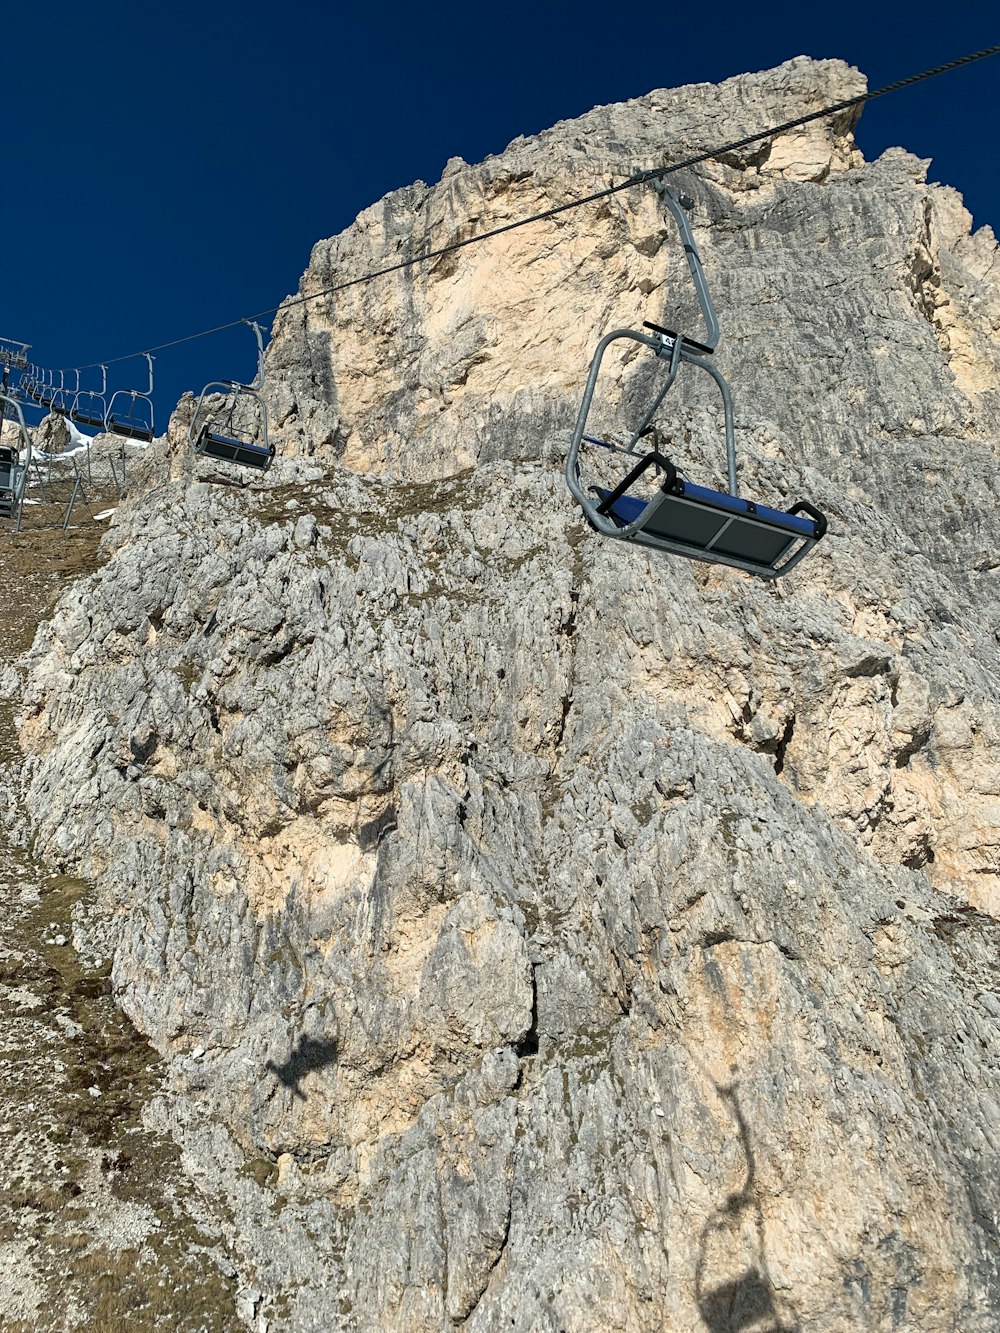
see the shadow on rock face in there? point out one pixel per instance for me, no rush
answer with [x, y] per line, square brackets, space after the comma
[309, 1054]
[746, 1301]
[743, 1303]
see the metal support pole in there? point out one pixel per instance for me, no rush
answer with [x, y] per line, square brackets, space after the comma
[72, 501]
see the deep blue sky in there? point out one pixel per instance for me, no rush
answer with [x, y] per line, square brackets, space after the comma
[169, 166]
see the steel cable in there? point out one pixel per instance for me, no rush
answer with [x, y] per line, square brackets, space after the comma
[639, 178]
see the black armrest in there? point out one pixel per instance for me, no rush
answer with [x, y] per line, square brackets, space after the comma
[804, 507]
[700, 347]
[651, 460]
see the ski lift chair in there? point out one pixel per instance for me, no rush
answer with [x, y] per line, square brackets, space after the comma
[133, 418]
[90, 406]
[214, 432]
[680, 517]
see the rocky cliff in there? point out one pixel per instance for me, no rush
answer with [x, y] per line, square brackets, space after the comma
[541, 933]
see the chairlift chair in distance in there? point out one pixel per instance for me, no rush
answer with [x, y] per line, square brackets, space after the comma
[215, 434]
[683, 518]
[61, 401]
[133, 418]
[14, 461]
[90, 406]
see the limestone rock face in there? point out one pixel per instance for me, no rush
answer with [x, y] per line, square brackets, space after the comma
[51, 435]
[573, 937]
[439, 366]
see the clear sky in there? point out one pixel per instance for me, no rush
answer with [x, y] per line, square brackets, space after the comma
[169, 166]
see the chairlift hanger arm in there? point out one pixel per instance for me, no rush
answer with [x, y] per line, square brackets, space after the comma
[258, 382]
[678, 212]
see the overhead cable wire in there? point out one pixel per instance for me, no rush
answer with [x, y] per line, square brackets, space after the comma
[639, 178]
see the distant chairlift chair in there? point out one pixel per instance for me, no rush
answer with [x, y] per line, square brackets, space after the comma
[133, 418]
[62, 400]
[90, 406]
[682, 518]
[215, 432]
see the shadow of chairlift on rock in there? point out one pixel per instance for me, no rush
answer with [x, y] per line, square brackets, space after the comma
[309, 1055]
[745, 1302]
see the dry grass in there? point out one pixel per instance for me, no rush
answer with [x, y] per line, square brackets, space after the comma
[75, 1075]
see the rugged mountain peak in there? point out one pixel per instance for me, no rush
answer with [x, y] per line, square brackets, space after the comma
[424, 371]
[542, 931]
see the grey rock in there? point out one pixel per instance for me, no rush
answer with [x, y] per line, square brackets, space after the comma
[577, 938]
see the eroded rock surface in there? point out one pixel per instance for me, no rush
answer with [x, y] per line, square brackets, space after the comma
[544, 933]
[98, 1226]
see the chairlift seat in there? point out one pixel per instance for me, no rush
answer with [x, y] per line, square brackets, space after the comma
[244, 452]
[703, 524]
[83, 419]
[132, 430]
